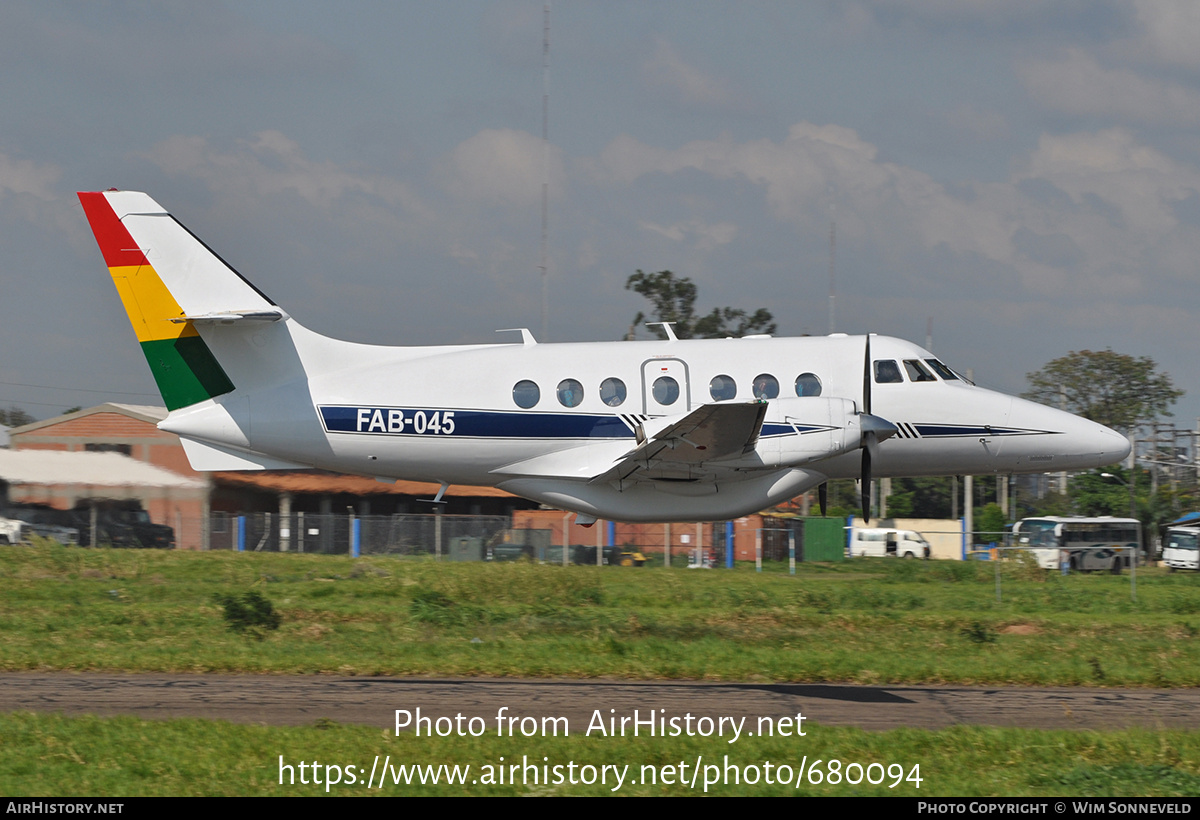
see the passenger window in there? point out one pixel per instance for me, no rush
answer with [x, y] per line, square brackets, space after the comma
[722, 388]
[766, 386]
[570, 393]
[612, 392]
[807, 384]
[887, 372]
[917, 372]
[665, 390]
[526, 394]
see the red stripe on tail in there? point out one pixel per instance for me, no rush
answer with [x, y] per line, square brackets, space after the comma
[114, 240]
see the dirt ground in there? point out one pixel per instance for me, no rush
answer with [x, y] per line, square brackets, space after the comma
[300, 700]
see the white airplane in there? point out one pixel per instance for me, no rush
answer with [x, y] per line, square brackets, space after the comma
[671, 430]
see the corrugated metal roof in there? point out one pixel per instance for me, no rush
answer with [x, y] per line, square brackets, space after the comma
[89, 469]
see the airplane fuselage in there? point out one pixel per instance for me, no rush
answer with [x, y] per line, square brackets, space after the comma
[542, 420]
[637, 431]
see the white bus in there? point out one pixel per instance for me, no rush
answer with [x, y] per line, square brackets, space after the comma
[1088, 543]
[1181, 548]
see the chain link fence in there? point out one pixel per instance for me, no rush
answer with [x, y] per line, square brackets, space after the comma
[456, 537]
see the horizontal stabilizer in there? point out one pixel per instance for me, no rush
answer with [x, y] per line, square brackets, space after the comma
[229, 317]
[204, 457]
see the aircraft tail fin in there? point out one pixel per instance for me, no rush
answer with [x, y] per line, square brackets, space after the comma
[170, 283]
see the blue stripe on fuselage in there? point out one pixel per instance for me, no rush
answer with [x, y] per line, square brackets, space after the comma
[397, 421]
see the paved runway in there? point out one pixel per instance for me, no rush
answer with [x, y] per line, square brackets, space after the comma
[299, 700]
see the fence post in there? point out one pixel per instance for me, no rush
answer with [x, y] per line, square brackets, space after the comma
[791, 552]
[241, 533]
[566, 537]
[729, 545]
[437, 532]
[667, 546]
[758, 550]
[997, 565]
[355, 537]
[599, 549]
[300, 532]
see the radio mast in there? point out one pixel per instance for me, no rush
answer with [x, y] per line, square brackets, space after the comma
[545, 166]
[832, 264]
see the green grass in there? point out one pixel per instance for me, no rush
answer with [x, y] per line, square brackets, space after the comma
[870, 621]
[50, 756]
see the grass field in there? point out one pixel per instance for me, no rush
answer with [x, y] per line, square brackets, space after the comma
[47, 755]
[870, 621]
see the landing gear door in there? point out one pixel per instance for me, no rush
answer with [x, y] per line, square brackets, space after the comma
[665, 387]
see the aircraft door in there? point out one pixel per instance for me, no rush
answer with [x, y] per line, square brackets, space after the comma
[665, 387]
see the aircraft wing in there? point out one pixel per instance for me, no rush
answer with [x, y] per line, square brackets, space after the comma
[681, 448]
[708, 433]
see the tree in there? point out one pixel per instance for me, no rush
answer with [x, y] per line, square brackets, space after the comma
[674, 300]
[15, 417]
[1119, 391]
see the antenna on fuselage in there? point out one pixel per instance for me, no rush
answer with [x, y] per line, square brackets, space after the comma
[668, 328]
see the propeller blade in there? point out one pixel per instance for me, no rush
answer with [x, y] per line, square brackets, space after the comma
[823, 497]
[866, 485]
[867, 376]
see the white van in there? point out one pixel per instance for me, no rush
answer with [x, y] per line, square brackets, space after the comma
[1181, 548]
[884, 542]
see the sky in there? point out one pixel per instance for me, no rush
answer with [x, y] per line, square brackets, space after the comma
[1024, 178]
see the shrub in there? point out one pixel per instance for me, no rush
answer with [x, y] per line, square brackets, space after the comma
[249, 612]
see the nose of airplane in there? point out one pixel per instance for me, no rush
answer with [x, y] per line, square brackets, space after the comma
[1058, 440]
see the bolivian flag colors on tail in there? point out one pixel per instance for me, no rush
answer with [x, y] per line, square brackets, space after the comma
[183, 366]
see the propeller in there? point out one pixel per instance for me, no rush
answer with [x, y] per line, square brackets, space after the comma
[869, 439]
[873, 430]
[823, 497]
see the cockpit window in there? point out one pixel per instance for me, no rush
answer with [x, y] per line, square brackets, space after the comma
[943, 371]
[917, 372]
[887, 372]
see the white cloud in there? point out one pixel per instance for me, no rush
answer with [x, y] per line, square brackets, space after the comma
[504, 168]
[1111, 165]
[1170, 30]
[703, 236]
[1085, 215]
[22, 176]
[1078, 85]
[689, 84]
[271, 163]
